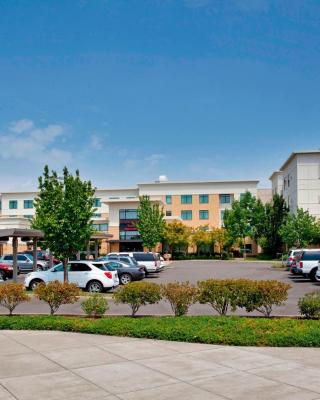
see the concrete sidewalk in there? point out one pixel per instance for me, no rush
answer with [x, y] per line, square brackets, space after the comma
[58, 365]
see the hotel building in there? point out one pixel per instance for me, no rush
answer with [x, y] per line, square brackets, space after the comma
[298, 181]
[194, 203]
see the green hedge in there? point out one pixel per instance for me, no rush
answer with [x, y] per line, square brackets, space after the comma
[239, 331]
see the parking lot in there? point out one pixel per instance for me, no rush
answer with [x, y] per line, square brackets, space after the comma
[194, 271]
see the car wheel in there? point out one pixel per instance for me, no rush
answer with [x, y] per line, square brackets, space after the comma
[95, 287]
[312, 275]
[125, 279]
[39, 268]
[316, 277]
[34, 283]
[3, 276]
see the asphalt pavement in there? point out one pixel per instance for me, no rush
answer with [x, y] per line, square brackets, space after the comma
[193, 271]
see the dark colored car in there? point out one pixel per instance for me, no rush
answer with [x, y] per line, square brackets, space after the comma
[6, 271]
[42, 255]
[124, 259]
[126, 273]
[293, 267]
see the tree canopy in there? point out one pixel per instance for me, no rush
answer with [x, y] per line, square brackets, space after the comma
[151, 222]
[300, 229]
[176, 234]
[64, 208]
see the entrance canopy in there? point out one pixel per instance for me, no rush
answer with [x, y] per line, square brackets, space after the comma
[25, 235]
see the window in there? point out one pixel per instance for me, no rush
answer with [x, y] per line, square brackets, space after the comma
[59, 268]
[225, 199]
[203, 214]
[13, 204]
[186, 214]
[222, 216]
[168, 213]
[110, 266]
[23, 258]
[128, 214]
[100, 227]
[129, 235]
[28, 216]
[97, 215]
[27, 203]
[203, 198]
[144, 256]
[8, 258]
[0, 205]
[168, 199]
[78, 267]
[97, 202]
[242, 196]
[186, 199]
[311, 256]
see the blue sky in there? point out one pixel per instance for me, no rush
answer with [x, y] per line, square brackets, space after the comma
[126, 90]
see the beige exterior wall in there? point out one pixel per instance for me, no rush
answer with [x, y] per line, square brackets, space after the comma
[212, 207]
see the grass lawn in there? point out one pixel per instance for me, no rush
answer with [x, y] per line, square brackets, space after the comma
[238, 331]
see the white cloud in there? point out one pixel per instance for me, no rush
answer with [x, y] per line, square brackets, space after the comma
[21, 125]
[154, 159]
[96, 142]
[35, 145]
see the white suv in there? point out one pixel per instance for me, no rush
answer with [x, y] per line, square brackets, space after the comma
[151, 261]
[89, 275]
[307, 263]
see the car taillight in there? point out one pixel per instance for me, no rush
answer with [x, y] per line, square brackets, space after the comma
[301, 264]
[108, 275]
[291, 258]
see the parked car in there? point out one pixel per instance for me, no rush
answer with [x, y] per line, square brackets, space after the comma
[291, 258]
[162, 261]
[307, 263]
[294, 268]
[125, 259]
[42, 255]
[25, 262]
[318, 273]
[86, 274]
[6, 272]
[149, 260]
[126, 273]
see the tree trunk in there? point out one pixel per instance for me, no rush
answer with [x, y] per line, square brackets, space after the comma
[65, 269]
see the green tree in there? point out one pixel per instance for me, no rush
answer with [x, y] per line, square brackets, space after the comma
[275, 216]
[151, 222]
[221, 237]
[246, 218]
[64, 208]
[300, 229]
[201, 238]
[176, 234]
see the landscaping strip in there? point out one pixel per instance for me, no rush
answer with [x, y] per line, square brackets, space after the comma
[236, 331]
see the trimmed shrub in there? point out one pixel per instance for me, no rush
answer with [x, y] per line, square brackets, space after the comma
[138, 294]
[262, 296]
[95, 306]
[223, 294]
[180, 295]
[11, 295]
[56, 293]
[309, 305]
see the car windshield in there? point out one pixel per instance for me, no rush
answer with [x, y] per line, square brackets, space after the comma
[105, 267]
[57, 268]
